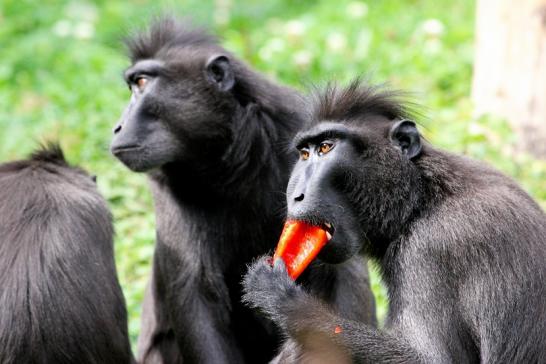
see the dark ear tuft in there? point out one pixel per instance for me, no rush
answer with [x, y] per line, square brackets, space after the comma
[219, 72]
[50, 153]
[406, 136]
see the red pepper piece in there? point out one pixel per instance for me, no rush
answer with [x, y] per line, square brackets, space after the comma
[298, 245]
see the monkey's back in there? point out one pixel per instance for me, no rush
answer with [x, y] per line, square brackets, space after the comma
[60, 301]
[489, 225]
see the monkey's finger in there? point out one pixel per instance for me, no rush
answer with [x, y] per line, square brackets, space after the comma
[279, 266]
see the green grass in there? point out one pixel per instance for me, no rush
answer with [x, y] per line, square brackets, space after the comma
[60, 78]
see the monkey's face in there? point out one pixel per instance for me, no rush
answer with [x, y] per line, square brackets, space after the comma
[349, 180]
[315, 189]
[178, 111]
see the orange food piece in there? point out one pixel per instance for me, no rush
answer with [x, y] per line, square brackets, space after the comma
[298, 245]
[338, 330]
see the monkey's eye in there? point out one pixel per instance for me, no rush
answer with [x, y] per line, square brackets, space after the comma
[325, 147]
[141, 82]
[304, 154]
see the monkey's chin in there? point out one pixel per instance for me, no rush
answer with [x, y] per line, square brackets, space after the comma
[136, 159]
[139, 168]
[136, 164]
[340, 248]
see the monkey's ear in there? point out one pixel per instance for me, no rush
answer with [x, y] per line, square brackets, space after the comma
[406, 136]
[218, 71]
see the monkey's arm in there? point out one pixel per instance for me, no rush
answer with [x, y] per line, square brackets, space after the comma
[156, 343]
[315, 327]
[345, 288]
[190, 320]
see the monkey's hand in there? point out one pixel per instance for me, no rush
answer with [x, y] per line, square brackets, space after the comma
[306, 322]
[270, 289]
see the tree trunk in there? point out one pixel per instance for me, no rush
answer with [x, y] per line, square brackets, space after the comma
[510, 67]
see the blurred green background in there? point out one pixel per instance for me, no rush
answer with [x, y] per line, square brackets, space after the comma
[60, 79]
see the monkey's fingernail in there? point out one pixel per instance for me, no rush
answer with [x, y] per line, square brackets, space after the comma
[338, 330]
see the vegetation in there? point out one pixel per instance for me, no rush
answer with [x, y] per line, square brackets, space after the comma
[61, 65]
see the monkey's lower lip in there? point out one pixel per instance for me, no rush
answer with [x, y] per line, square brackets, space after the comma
[125, 148]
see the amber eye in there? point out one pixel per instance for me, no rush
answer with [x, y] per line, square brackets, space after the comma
[304, 154]
[141, 82]
[325, 147]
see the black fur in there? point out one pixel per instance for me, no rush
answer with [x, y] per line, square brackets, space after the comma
[50, 153]
[213, 136]
[164, 35]
[462, 249]
[359, 100]
[60, 300]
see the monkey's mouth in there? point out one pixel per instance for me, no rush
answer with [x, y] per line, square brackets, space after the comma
[321, 223]
[125, 148]
[329, 228]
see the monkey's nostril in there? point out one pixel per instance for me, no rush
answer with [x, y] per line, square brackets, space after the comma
[117, 129]
[299, 198]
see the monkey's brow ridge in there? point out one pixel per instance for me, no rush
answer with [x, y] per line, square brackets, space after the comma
[319, 135]
[149, 67]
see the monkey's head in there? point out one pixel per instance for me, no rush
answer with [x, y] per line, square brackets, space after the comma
[50, 158]
[182, 87]
[356, 173]
[45, 187]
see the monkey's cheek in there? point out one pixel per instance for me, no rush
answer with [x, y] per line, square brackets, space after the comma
[339, 249]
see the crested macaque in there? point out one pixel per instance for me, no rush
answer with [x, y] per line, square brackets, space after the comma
[211, 133]
[461, 247]
[60, 300]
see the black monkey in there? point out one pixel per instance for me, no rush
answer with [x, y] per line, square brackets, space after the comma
[60, 300]
[212, 135]
[462, 249]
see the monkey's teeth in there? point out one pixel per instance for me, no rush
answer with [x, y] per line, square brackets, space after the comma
[328, 236]
[328, 225]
